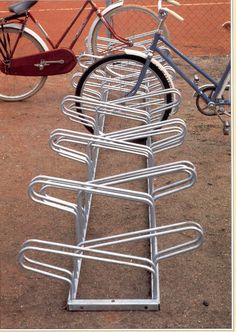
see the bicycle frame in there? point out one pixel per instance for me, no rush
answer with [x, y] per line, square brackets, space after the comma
[219, 86]
[93, 9]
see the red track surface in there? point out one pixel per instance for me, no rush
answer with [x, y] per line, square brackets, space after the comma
[200, 33]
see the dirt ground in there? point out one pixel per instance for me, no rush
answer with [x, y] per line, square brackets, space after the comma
[195, 287]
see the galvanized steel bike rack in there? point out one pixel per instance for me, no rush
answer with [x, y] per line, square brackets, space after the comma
[141, 108]
[85, 60]
[84, 148]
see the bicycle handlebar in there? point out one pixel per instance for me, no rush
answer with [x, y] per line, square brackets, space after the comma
[172, 2]
[180, 18]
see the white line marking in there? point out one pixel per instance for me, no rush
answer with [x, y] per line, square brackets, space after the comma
[197, 4]
[149, 6]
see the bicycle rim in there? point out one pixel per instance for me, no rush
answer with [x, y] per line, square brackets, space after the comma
[16, 88]
[112, 78]
[135, 23]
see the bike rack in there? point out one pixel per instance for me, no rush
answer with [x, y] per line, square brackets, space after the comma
[143, 108]
[160, 181]
[85, 60]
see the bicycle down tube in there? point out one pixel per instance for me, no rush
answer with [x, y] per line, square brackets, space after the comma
[79, 32]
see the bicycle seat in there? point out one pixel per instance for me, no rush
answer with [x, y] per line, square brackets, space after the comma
[21, 7]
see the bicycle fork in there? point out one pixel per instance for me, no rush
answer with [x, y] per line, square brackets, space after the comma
[142, 75]
[151, 50]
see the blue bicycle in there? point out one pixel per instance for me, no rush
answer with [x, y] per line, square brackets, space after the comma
[123, 75]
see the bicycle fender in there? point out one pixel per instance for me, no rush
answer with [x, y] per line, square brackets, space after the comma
[30, 32]
[96, 21]
[154, 61]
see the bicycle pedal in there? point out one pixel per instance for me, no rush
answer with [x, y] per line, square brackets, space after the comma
[221, 111]
[226, 128]
[196, 79]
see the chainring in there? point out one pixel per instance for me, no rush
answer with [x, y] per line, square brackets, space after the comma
[202, 105]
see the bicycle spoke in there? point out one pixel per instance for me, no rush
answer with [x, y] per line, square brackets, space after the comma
[14, 87]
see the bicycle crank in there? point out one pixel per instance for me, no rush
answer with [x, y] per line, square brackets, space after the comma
[211, 108]
[202, 105]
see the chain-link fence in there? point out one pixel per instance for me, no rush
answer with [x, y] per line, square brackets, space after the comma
[201, 32]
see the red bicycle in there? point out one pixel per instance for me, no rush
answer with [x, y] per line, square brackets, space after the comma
[26, 59]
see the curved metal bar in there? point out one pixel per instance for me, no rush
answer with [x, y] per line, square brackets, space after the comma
[155, 171]
[146, 234]
[88, 187]
[90, 246]
[177, 186]
[155, 130]
[85, 60]
[77, 252]
[175, 129]
[43, 198]
[103, 186]
[98, 81]
[58, 137]
[94, 106]
[67, 107]
[91, 141]
[23, 260]
[184, 247]
[76, 108]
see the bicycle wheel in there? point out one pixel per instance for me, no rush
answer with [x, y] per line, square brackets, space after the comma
[112, 78]
[16, 88]
[135, 23]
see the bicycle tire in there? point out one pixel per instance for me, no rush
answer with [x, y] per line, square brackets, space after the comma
[141, 20]
[90, 78]
[17, 88]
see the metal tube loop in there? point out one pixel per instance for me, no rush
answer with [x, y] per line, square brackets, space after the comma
[89, 250]
[175, 129]
[105, 186]
[87, 110]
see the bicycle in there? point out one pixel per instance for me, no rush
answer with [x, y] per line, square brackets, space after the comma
[124, 75]
[26, 59]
